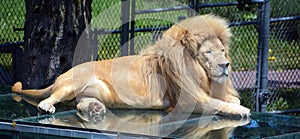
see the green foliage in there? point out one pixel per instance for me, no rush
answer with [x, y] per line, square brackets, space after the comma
[289, 95]
[283, 99]
[279, 104]
[249, 16]
[285, 8]
[244, 43]
[286, 54]
[5, 60]
[12, 16]
[247, 98]
[109, 46]
[243, 49]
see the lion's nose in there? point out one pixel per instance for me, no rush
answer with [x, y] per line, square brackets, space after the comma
[224, 65]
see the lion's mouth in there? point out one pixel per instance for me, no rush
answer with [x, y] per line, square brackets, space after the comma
[225, 72]
[221, 75]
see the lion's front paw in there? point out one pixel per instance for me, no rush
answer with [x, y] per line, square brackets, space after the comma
[46, 107]
[235, 109]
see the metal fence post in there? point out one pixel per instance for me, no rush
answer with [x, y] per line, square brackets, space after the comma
[132, 27]
[191, 10]
[125, 7]
[17, 60]
[95, 42]
[262, 63]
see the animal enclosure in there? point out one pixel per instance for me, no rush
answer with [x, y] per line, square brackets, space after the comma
[143, 21]
[265, 54]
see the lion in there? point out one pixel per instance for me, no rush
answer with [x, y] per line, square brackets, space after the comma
[186, 70]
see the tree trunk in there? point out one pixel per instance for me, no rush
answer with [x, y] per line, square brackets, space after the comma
[52, 30]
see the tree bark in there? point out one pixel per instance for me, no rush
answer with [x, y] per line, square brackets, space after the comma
[52, 30]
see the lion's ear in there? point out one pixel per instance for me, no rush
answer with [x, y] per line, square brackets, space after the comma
[186, 38]
[177, 33]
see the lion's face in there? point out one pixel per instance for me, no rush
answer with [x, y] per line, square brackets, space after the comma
[212, 56]
[207, 39]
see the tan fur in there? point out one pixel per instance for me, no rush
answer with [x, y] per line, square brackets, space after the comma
[187, 62]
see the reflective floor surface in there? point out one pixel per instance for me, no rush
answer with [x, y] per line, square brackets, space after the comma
[17, 114]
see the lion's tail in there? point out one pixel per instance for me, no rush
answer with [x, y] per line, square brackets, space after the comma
[42, 93]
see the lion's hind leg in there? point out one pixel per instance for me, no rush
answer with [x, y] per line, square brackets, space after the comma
[92, 107]
[48, 104]
[60, 94]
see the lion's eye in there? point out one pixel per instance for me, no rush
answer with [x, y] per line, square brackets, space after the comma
[223, 50]
[208, 52]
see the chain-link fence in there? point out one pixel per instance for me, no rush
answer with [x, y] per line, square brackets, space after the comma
[11, 25]
[12, 20]
[151, 17]
[284, 55]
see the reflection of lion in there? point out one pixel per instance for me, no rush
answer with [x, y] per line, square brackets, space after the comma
[187, 67]
[146, 123]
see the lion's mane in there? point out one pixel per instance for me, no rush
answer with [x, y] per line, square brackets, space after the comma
[171, 65]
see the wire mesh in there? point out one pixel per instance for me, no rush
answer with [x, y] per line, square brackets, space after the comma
[6, 74]
[284, 56]
[12, 20]
[11, 26]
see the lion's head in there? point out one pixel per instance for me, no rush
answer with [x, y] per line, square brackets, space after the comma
[206, 38]
[191, 56]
